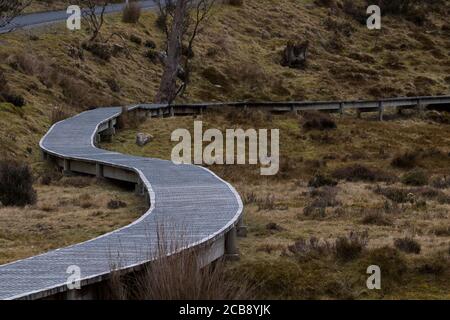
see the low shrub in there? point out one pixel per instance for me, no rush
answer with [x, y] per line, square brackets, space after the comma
[113, 85]
[390, 261]
[325, 196]
[441, 182]
[236, 3]
[398, 195]
[150, 44]
[408, 245]
[376, 218]
[272, 226]
[355, 10]
[311, 248]
[320, 180]
[266, 203]
[16, 184]
[405, 160]
[100, 50]
[13, 98]
[359, 172]
[415, 177]
[131, 13]
[442, 231]
[152, 55]
[116, 204]
[435, 265]
[315, 120]
[135, 39]
[76, 182]
[351, 247]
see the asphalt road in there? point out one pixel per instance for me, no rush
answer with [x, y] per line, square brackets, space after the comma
[33, 20]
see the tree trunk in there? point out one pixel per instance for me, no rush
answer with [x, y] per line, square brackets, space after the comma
[168, 86]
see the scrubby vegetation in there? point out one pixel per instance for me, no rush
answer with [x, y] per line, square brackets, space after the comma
[16, 184]
[299, 243]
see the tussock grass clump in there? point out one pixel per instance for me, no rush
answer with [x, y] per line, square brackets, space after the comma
[236, 3]
[131, 13]
[76, 182]
[7, 95]
[116, 204]
[408, 245]
[322, 199]
[442, 231]
[436, 265]
[441, 182]
[58, 114]
[351, 247]
[98, 49]
[345, 248]
[398, 195]
[315, 120]
[376, 218]
[16, 184]
[405, 160]
[417, 177]
[267, 203]
[320, 180]
[306, 249]
[359, 172]
[135, 39]
[175, 275]
[390, 261]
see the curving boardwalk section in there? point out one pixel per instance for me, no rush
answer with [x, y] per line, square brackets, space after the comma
[196, 206]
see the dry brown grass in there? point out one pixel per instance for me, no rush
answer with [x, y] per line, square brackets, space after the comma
[347, 205]
[176, 274]
[66, 213]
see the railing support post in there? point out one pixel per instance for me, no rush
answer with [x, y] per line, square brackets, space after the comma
[420, 107]
[241, 229]
[341, 109]
[160, 113]
[172, 111]
[99, 171]
[139, 188]
[380, 111]
[231, 249]
[66, 168]
[44, 155]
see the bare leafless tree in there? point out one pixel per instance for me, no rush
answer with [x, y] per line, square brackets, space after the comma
[9, 9]
[168, 87]
[182, 22]
[93, 12]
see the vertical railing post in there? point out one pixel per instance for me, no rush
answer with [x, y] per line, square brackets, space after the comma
[231, 248]
[66, 168]
[380, 111]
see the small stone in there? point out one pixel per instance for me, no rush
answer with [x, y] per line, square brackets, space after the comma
[142, 139]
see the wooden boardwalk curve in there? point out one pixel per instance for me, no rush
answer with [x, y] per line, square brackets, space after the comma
[194, 203]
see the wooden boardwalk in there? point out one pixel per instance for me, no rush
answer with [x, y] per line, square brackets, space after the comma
[191, 203]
